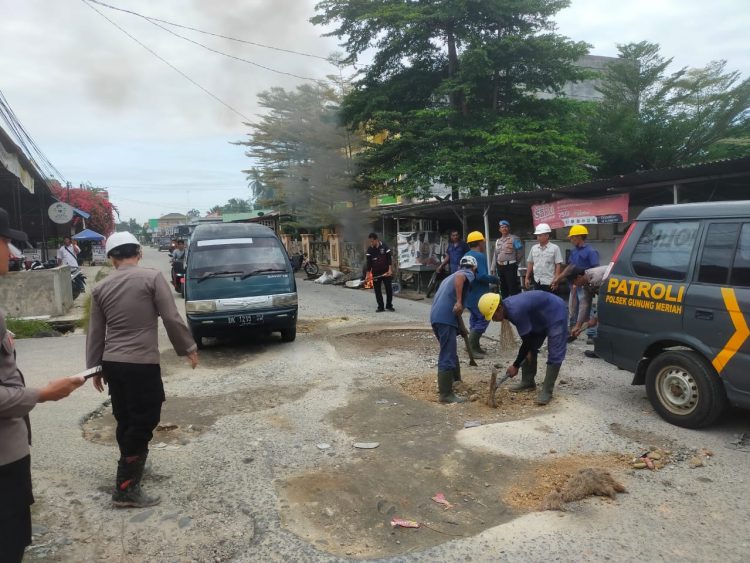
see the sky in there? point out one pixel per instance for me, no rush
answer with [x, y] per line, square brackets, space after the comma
[107, 112]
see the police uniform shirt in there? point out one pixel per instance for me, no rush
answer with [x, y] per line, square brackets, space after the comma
[123, 326]
[445, 298]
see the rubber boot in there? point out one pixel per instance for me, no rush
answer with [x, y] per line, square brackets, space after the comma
[445, 387]
[128, 492]
[549, 384]
[457, 374]
[474, 345]
[528, 376]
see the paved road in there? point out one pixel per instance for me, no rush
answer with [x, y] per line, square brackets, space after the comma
[242, 477]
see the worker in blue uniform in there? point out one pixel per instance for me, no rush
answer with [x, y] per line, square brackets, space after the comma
[481, 285]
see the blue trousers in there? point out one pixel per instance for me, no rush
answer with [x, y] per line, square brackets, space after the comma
[557, 343]
[477, 322]
[446, 335]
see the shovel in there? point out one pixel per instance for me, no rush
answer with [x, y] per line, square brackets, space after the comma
[494, 384]
[465, 335]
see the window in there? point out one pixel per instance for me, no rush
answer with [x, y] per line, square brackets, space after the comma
[240, 255]
[718, 251]
[664, 250]
[741, 268]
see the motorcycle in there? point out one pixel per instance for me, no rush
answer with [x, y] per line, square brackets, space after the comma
[302, 262]
[177, 275]
[78, 281]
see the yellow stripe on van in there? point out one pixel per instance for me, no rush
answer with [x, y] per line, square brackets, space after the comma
[741, 331]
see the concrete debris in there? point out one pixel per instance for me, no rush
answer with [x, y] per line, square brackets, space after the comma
[366, 445]
[472, 423]
[323, 446]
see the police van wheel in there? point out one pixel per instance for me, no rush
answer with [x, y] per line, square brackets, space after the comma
[685, 389]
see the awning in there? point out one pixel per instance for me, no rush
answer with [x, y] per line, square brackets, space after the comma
[83, 214]
[88, 235]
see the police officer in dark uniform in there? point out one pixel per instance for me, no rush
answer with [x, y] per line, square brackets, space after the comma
[380, 263]
[16, 401]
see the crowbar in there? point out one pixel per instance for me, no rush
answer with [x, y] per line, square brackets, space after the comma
[494, 384]
[465, 334]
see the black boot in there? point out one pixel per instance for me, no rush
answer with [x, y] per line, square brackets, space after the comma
[545, 396]
[474, 345]
[457, 374]
[528, 376]
[128, 491]
[445, 387]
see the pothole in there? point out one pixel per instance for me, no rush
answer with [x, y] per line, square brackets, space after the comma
[346, 509]
[415, 342]
[183, 418]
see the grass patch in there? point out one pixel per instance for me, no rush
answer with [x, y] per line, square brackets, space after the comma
[84, 322]
[29, 328]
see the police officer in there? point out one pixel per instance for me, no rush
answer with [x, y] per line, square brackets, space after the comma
[508, 255]
[125, 307]
[16, 401]
[380, 263]
[537, 315]
[447, 304]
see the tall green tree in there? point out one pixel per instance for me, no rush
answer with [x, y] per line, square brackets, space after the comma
[450, 94]
[652, 118]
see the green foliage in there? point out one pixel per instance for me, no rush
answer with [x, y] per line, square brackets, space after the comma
[650, 118]
[450, 94]
[29, 328]
[132, 226]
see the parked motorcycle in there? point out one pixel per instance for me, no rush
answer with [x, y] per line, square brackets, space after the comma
[302, 262]
[78, 281]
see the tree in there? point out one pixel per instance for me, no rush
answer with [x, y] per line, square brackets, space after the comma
[303, 155]
[650, 118]
[92, 201]
[132, 226]
[193, 214]
[450, 94]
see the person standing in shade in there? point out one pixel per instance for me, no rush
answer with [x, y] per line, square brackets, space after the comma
[380, 263]
[544, 261]
[123, 338]
[537, 316]
[16, 401]
[508, 255]
[67, 254]
[481, 285]
[453, 253]
[446, 306]
[582, 256]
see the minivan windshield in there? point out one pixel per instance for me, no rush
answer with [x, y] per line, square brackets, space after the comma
[245, 256]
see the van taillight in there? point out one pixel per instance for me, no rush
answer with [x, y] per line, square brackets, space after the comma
[619, 250]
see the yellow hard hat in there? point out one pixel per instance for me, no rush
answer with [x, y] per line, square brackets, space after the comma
[474, 236]
[577, 230]
[488, 304]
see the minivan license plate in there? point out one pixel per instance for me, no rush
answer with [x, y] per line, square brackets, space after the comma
[245, 319]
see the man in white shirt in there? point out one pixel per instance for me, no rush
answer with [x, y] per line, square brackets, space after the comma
[67, 255]
[544, 261]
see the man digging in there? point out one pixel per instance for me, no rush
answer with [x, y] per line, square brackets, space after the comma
[537, 315]
[447, 304]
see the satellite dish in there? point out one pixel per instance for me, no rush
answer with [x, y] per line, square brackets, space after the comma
[60, 212]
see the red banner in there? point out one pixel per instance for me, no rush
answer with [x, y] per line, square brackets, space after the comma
[568, 212]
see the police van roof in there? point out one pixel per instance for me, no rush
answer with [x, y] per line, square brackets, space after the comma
[712, 209]
[230, 230]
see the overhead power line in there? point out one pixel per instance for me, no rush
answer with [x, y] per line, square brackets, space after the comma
[221, 36]
[166, 62]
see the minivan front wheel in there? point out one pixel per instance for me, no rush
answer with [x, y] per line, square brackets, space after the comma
[289, 334]
[685, 389]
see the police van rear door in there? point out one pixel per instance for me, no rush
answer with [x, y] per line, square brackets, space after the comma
[719, 297]
[642, 300]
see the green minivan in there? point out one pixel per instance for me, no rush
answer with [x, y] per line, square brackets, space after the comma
[238, 277]
[673, 309]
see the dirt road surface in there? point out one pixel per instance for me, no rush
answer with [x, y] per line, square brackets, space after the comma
[254, 457]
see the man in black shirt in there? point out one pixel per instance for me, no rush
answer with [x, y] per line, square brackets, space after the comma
[379, 262]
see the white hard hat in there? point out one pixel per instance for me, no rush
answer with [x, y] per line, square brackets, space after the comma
[120, 239]
[542, 229]
[468, 261]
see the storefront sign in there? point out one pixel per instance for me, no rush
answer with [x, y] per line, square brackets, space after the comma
[568, 212]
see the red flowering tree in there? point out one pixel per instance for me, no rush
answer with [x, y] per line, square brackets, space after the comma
[90, 200]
